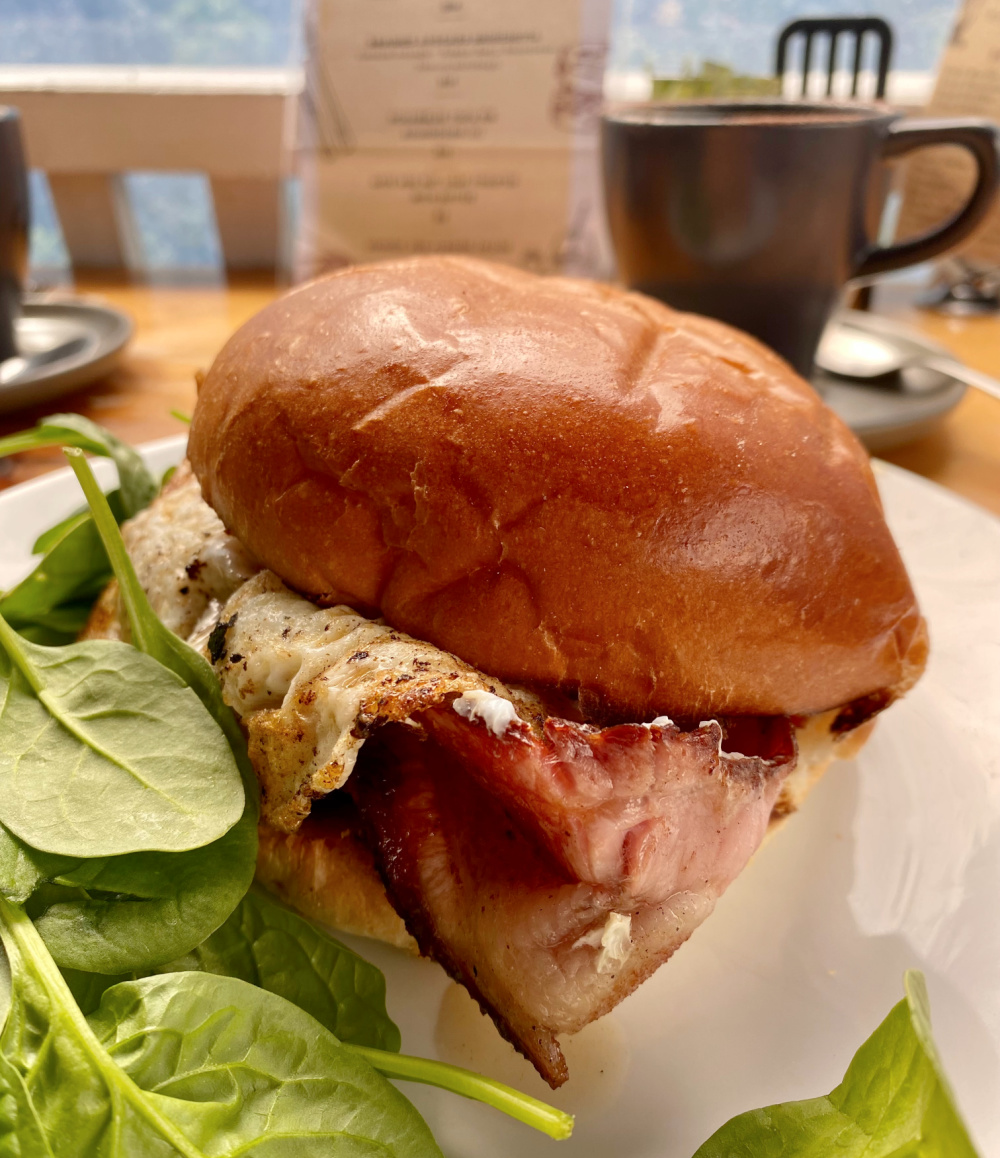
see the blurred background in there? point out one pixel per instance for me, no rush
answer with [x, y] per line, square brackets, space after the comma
[248, 53]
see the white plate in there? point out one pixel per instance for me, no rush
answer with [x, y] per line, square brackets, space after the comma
[893, 862]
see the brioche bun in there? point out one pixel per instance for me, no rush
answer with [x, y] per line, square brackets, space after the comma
[563, 484]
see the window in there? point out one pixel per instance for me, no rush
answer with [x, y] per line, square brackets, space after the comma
[172, 217]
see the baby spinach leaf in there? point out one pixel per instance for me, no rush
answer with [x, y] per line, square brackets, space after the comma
[103, 752]
[48, 539]
[184, 1063]
[137, 485]
[23, 868]
[135, 913]
[51, 432]
[894, 1101]
[5, 992]
[58, 627]
[132, 913]
[89, 989]
[51, 605]
[73, 563]
[272, 947]
[242, 1058]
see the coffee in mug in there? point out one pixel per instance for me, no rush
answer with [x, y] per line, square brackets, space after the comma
[754, 213]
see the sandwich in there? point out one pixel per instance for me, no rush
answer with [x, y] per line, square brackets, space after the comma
[540, 604]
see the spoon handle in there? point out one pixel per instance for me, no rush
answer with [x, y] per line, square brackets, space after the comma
[955, 369]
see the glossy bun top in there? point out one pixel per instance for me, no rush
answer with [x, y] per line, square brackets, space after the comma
[562, 483]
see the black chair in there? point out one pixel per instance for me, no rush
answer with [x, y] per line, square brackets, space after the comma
[835, 27]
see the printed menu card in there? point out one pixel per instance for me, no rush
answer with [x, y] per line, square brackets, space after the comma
[454, 126]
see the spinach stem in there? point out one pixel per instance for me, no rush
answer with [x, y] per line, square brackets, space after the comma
[11, 643]
[522, 1107]
[33, 440]
[21, 940]
[132, 594]
[148, 633]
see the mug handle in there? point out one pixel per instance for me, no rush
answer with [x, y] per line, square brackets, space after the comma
[980, 138]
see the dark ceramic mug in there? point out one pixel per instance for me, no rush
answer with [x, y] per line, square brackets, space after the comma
[755, 213]
[13, 227]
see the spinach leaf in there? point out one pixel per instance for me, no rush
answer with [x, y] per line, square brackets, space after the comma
[266, 1062]
[51, 605]
[48, 539]
[254, 932]
[23, 868]
[59, 1091]
[272, 947]
[103, 752]
[57, 627]
[5, 994]
[184, 1063]
[74, 566]
[132, 913]
[269, 946]
[894, 1101]
[135, 913]
[137, 485]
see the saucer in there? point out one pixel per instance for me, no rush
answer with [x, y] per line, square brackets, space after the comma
[897, 408]
[64, 344]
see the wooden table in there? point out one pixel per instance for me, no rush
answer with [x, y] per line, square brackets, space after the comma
[179, 330]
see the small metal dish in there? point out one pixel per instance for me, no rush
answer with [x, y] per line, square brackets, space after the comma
[64, 344]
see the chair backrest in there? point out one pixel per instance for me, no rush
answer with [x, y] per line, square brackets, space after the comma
[836, 27]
